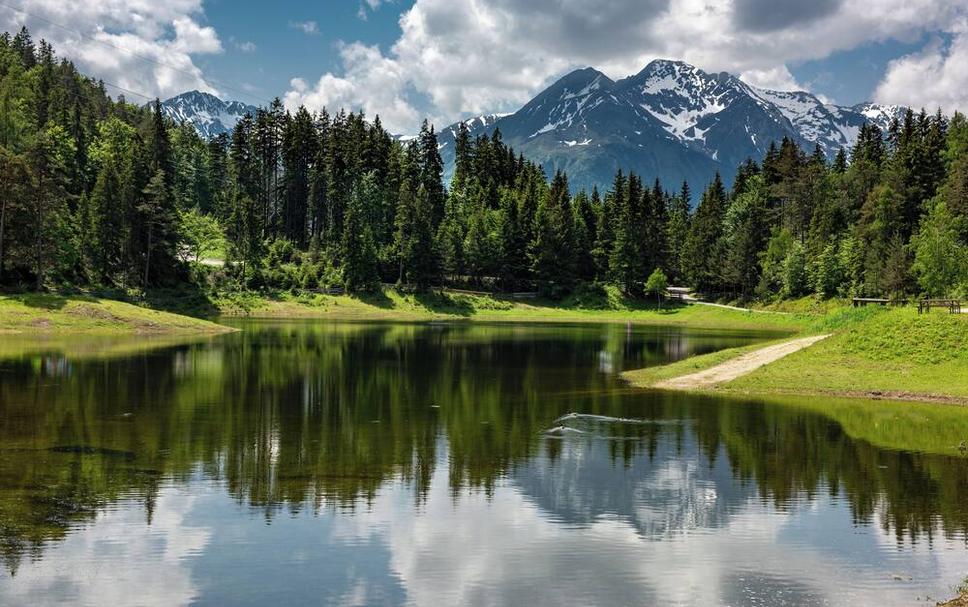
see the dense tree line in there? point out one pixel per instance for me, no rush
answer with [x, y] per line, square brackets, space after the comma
[106, 193]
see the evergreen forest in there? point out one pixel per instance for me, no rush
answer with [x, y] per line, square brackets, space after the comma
[100, 193]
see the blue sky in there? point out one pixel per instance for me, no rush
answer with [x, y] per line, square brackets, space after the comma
[282, 51]
[446, 59]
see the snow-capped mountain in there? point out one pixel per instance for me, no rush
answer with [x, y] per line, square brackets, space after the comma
[881, 115]
[672, 120]
[210, 115]
[475, 125]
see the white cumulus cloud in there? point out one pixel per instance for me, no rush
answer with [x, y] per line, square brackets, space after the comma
[459, 57]
[935, 77]
[371, 82]
[140, 45]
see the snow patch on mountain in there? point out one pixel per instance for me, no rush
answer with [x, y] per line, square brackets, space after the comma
[207, 113]
[881, 115]
[671, 120]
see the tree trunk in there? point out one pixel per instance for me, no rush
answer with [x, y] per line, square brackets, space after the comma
[3, 214]
[147, 257]
[38, 241]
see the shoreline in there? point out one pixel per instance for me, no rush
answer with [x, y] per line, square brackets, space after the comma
[889, 356]
[65, 315]
[34, 315]
[739, 366]
[391, 305]
[848, 363]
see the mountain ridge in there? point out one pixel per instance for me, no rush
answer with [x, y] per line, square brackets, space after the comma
[670, 120]
[209, 115]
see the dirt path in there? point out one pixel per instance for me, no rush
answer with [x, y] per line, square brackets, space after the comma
[739, 366]
[693, 300]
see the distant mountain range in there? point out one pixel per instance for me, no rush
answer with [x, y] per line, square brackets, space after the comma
[210, 115]
[672, 120]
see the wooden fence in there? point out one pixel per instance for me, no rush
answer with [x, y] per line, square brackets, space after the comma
[953, 305]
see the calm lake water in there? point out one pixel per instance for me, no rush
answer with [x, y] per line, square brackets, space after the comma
[456, 464]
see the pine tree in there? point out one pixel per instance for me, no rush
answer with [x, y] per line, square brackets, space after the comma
[605, 235]
[47, 209]
[15, 189]
[157, 218]
[585, 222]
[553, 249]
[450, 237]
[298, 150]
[431, 172]
[514, 245]
[463, 161]
[426, 266]
[677, 230]
[318, 203]
[23, 45]
[745, 234]
[414, 238]
[45, 82]
[700, 254]
[218, 174]
[656, 250]
[107, 225]
[481, 244]
[627, 261]
[156, 230]
[840, 162]
[359, 257]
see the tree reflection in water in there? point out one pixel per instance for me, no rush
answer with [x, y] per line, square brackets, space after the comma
[306, 417]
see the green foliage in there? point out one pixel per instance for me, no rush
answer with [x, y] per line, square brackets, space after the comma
[701, 257]
[106, 226]
[553, 248]
[771, 262]
[97, 192]
[745, 234]
[359, 261]
[677, 231]
[827, 273]
[794, 272]
[657, 284]
[201, 234]
[940, 259]
[625, 264]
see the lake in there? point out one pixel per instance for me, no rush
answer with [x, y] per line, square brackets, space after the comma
[456, 464]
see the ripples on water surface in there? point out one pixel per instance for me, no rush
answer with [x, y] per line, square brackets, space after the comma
[456, 464]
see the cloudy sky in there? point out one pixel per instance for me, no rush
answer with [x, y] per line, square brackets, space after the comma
[445, 59]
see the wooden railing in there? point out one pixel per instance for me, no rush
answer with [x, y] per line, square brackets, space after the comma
[953, 305]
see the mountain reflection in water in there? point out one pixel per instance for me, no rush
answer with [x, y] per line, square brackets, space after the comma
[302, 463]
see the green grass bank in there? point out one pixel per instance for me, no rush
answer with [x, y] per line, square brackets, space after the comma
[393, 305]
[39, 315]
[872, 353]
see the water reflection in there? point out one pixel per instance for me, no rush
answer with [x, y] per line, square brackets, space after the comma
[361, 464]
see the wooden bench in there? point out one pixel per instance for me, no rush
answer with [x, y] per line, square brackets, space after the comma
[860, 302]
[327, 291]
[953, 305]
